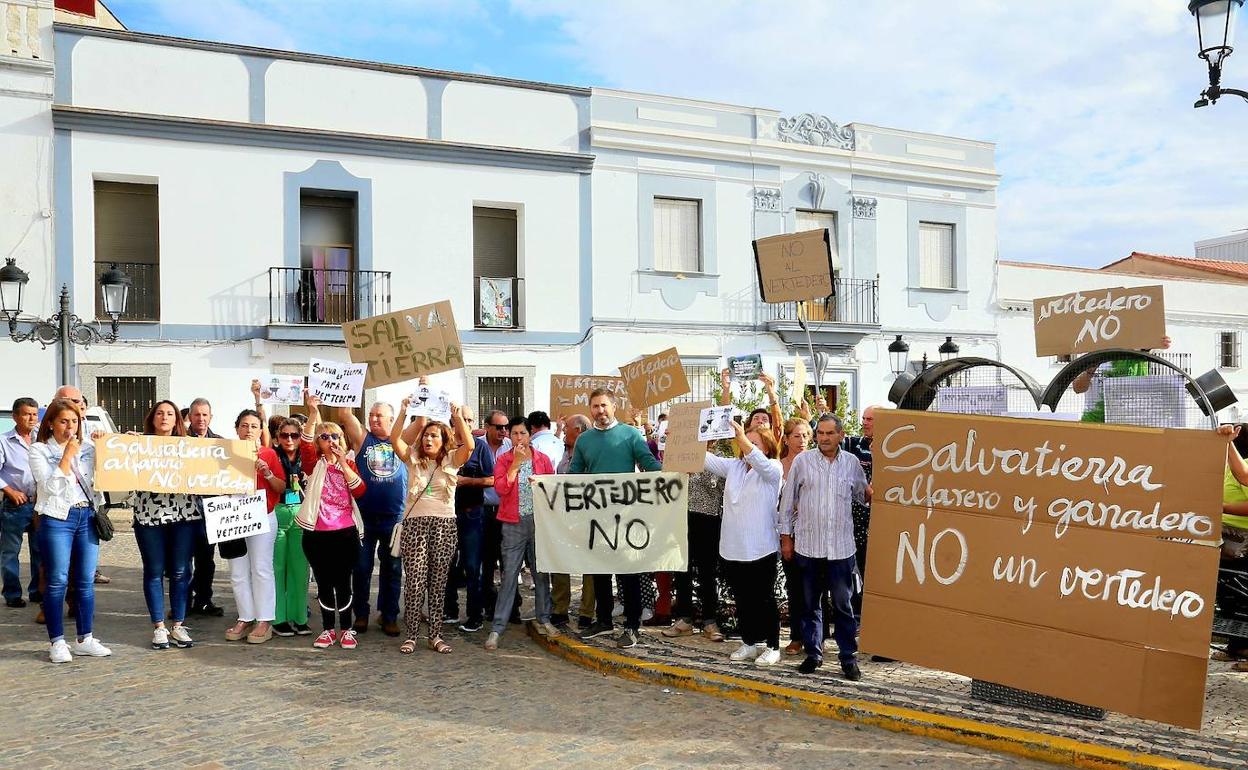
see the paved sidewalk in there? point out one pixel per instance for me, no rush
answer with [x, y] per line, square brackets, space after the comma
[1222, 741]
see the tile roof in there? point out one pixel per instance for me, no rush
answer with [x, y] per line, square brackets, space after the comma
[1220, 267]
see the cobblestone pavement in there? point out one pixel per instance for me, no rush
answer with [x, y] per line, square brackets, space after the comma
[281, 704]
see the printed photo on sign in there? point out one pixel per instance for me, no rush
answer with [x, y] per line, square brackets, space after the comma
[281, 389]
[231, 517]
[430, 402]
[745, 367]
[337, 383]
[714, 423]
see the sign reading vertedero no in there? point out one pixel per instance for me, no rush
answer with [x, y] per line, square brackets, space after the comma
[655, 379]
[1083, 321]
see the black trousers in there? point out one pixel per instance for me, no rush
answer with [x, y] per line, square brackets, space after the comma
[332, 555]
[753, 584]
[203, 568]
[704, 564]
[604, 599]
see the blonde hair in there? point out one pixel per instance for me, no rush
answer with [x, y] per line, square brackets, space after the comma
[324, 425]
[789, 426]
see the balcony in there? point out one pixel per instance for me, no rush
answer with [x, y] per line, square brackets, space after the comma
[498, 303]
[144, 300]
[838, 321]
[307, 297]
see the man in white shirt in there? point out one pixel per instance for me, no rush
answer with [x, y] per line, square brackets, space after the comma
[817, 529]
[543, 439]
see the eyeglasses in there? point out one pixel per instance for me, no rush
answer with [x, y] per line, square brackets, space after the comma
[288, 435]
[330, 436]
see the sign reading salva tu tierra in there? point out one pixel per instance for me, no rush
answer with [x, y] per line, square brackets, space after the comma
[1068, 559]
[794, 266]
[197, 466]
[1131, 317]
[405, 344]
[655, 379]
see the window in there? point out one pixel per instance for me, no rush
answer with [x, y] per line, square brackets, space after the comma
[701, 381]
[677, 235]
[936, 266]
[505, 393]
[127, 234]
[814, 220]
[1228, 350]
[495, 267]
[126, 399]
[327, 258]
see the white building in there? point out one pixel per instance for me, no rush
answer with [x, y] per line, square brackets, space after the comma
[260, 198]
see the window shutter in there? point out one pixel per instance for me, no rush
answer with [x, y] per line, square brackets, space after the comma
[127, 223]
[494, 243]
[816, 220]
[677, 235]
[936, 267]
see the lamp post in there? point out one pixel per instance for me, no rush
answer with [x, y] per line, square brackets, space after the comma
[1215, 32]
[948, 349]
[64, 327]
[899, 355]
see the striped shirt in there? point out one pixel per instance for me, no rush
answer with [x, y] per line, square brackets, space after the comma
[816, 506]
[751, 487]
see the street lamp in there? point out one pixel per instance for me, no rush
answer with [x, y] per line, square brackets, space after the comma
[948, 349]
[1215, 33]
[899, 355]
[64, 327]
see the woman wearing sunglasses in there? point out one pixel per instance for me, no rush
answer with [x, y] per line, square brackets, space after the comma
[290, 566]
[428, 537]
[331, 523]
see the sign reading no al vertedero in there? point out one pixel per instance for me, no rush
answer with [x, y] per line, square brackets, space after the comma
[612, 523]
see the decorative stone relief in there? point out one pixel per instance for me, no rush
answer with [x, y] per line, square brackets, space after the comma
[818, 130]
[766, 199]
[864, 208]
[818, 186]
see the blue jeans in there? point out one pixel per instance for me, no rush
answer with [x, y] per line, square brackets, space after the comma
[15, 520]
[166, 549]
[837, 578]
[69, 545]
[471, 525]
[520, 546]
[389, 582]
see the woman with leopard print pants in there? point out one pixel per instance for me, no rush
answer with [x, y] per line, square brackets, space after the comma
[427, 543]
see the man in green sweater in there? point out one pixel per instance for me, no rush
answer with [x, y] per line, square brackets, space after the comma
[612, 447]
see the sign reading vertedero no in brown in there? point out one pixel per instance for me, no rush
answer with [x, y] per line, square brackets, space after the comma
[655, 379]
[1084, 321]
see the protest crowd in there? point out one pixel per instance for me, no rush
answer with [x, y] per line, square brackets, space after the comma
[780, 510]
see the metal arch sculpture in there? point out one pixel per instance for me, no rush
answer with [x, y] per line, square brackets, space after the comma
[919, 391]
[1090, 361]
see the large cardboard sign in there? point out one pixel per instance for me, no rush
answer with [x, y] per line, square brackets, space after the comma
[794, 266]
[1083, 321]
[231, 517]
[655, 379]
[569, 394]
[197, 466]
[405, 344]
[612, 523]
[683, 452]
[1069, 559]
[335, 383]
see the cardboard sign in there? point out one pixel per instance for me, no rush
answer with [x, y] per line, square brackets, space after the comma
[794, 266]
[231, 517]
[745, 367]
[655, 379]
[197, 466]
[405, 344]
[612, 523]
[432, 403]
[281, 389]
[683, 451]
[799, 380]
[1133, 318]
[336, 383]
[569, 394]
[714, 423]
[1080, 558]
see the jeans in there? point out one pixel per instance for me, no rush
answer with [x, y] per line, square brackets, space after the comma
[470, 523]
[604, 599]
[837, 578]
[290, 569]
[15, 520]
[67, 543]
[376, 544]
[753, 584]
[205, 568]
[704, 563]
[492, 558]
[251, 575]
[520, 545]
[166, 549]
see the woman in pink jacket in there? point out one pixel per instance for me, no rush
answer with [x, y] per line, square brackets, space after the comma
[513, 474]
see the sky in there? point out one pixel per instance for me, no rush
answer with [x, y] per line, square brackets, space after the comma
[1089, 104]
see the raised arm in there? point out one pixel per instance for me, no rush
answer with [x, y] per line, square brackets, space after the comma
[398, 435]
[773, 408]
[463, 434]
[1239, 468]
[265, 438]
[351, 426]
[725, 387]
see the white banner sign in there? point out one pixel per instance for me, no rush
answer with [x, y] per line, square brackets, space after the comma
[1151, 401]
[281, 389]
[230, 517]
[612, 523]
[973, 399]
[430, 402]
[336, 383]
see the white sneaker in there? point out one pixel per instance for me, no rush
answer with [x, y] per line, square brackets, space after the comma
[91, 647]
[769, 658]
[60, 652]
[180, 637]
[646, 614]
[745, 652]
[491, 641]
[160, 638]
[548, 630]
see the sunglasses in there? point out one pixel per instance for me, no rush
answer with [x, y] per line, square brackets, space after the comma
[330, 436]
[288, 435]
[497, 426]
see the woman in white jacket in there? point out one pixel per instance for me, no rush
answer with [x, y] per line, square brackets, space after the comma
[749, 539]
[64, 470]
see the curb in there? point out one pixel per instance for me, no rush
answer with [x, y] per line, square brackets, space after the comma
[1024, 743]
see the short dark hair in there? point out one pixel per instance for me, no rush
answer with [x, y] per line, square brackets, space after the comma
[247, 413]
[489, 418]
[25, 401]
[537, 420]
[514, 421]
[300, 418]
[602, 392]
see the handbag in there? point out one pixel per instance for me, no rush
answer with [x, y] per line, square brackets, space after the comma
[101, 522]
[396, 535]
[233, 549]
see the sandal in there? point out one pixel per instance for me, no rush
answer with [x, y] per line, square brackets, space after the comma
[1225, 656]
[408, 647]
[437, 645]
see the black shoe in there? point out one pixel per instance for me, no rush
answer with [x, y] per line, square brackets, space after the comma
[583, 622]
[283, 629]
[851, 671]
[36, 598]
[559, 619]
[627, 639]
[882, 659]
[211, 610]
[515, 619]
[302, 629]
[809, 665]
[596, 630]
[19, 602]
[470, 626]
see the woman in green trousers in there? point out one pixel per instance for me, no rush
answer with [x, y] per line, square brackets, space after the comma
[290, 566]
